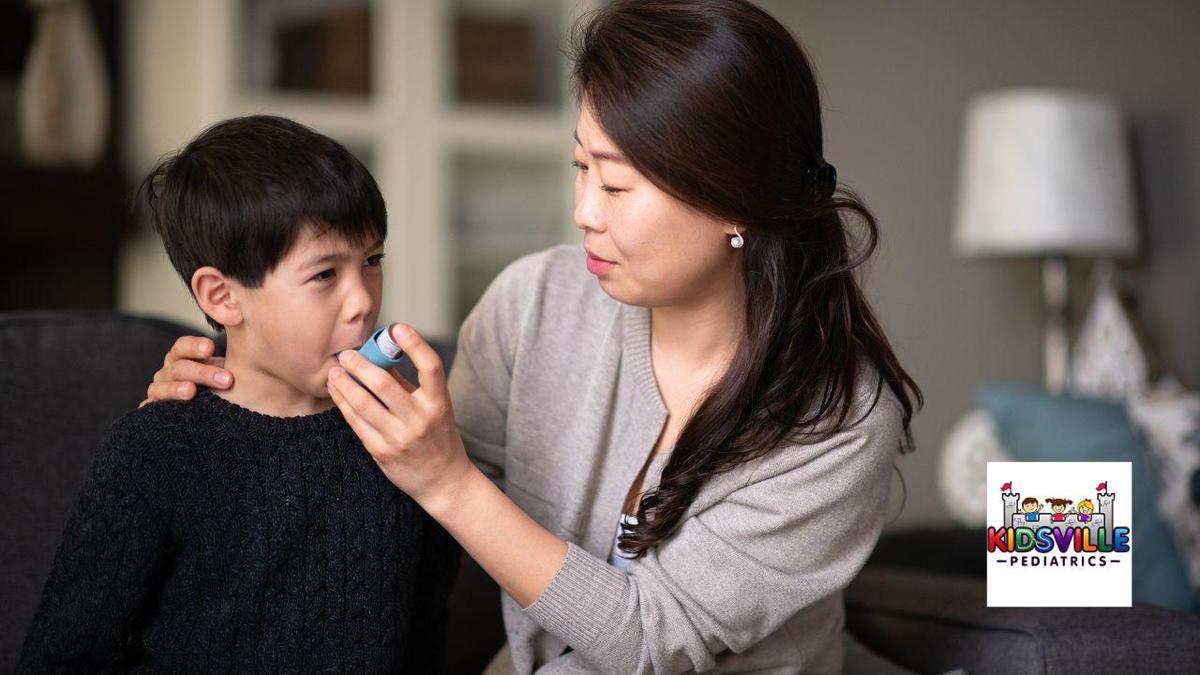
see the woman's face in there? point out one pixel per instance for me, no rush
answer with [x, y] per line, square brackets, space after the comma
[658, 250]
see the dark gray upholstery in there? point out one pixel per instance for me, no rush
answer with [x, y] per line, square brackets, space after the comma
[933, 623]
[66, 378]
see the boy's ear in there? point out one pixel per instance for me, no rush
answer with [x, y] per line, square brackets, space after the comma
[216, 296]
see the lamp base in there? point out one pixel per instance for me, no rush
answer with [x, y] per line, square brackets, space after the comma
[1056, 348]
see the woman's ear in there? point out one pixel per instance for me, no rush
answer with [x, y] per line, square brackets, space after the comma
[215, 294]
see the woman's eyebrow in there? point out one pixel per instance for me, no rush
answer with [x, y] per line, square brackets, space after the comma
[601, 154]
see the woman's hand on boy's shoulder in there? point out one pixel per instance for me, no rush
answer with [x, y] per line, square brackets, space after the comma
[189, 363]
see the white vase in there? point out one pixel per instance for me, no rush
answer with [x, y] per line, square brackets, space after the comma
[63, 101]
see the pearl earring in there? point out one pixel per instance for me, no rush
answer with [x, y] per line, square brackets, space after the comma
[738, 241]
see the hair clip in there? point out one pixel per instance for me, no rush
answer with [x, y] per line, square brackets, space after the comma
[823, 176]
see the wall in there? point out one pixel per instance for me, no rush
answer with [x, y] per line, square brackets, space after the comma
[163, 113]
[896, 77]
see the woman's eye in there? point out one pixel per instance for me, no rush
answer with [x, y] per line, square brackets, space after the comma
[583, 169]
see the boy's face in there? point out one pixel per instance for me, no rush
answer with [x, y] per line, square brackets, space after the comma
[1031, 507]
[322, 297]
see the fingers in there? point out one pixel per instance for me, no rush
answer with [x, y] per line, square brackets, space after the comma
[364, 404]
[185, 370]
[372, 440]
[405, 384]
[188, 364]
[188, 361]
[428, 363]
[190, 347]
[386, 387]
[165, 391]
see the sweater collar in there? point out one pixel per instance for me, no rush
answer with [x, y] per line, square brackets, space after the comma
[637, 348]
[269, 424]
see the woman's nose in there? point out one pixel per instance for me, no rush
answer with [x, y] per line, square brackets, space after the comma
[588, 215]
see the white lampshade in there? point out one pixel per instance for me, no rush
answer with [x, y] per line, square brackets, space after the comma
[1045, 172]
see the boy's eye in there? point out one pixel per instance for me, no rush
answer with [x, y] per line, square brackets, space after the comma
[579, 165]
[373, 261]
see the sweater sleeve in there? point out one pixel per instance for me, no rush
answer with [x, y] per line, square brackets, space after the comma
[426, 642]
[480, 380]
[799, 530]
[114, 544]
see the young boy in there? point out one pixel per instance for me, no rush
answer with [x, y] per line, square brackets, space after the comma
[249, 530]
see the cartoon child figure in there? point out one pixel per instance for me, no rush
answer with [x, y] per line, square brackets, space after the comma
[1085, 510]
[1032, 509]
[1058, 506]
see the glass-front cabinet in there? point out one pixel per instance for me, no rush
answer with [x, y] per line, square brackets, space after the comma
[460, 108]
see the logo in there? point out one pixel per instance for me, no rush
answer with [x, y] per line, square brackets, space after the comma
[1059, 534]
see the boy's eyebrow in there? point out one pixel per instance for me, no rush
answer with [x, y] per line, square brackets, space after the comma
[610, 156]
[339, 255]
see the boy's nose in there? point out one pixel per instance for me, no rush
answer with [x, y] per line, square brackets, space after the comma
[358, 304]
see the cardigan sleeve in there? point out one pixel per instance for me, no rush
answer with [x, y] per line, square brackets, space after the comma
[799, 530]
[115, 543]
[480, 380]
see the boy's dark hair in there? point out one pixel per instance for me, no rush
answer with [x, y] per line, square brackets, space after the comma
[1029, 500]
[241, 192]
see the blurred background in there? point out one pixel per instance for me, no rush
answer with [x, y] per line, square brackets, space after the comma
[946, 117]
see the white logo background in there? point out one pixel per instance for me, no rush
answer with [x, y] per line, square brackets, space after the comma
[1081, 585]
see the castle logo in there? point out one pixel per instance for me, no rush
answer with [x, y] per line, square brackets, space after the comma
[1059, 534]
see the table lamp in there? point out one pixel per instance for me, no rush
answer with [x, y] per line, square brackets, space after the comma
[1046, 173]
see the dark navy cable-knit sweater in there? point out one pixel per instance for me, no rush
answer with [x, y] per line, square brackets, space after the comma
[213, 538]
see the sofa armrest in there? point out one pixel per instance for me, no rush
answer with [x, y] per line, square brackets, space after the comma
[933, 623]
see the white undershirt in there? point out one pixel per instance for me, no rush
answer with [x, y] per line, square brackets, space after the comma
[617, 558]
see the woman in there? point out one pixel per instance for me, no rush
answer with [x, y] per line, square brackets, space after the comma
[672, 449]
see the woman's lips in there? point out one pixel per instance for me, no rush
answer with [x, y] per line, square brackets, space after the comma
[598, 265]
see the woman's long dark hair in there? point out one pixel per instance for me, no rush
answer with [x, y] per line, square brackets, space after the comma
[716, 104]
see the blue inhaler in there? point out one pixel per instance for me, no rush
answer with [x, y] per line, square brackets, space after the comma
[380, 350]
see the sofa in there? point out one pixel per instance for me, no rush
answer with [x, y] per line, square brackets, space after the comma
[919, 602]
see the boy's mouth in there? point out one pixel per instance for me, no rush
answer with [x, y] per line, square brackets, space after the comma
[353, 347]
